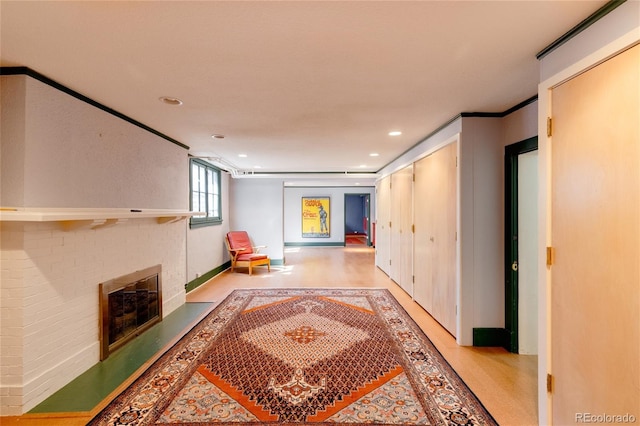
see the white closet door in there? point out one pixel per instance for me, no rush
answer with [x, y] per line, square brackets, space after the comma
[383, 218]
[435, 235]
[423, 252]
[401, 232]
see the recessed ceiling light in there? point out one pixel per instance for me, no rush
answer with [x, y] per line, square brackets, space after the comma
[257, 167]
[242, 155]
[373, 154]
[169, 100]
[362, 166]
[395, 133]
[216, 136]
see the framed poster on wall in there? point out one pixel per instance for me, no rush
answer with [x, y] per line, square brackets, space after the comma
[316, 221]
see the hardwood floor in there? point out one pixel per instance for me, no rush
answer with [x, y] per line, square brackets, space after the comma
[506, 383]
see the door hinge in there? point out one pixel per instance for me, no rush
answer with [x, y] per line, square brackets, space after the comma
[456, 161]
[456, 236]
[549, 383]
[413, 279]
[551, 256]
[389, 224]
[549, 126]
[413, 229]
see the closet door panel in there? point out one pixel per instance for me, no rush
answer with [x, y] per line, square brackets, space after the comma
[383, 218]
[423, 249]
[435, 194]
[444, 236]
[401, 233]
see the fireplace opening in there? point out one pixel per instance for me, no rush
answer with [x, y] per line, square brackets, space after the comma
[129, 305]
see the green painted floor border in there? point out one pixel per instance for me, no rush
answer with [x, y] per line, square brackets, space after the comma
[94, 385]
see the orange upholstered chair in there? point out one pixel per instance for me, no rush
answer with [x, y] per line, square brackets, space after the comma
[243, 254]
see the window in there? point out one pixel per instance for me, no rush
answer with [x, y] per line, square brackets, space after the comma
[205, 193]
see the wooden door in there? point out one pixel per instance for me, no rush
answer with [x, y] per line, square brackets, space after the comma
[383, 218]
[444, 236]
[435, 195]
[423, 246]
[401, 232]
[595, 232]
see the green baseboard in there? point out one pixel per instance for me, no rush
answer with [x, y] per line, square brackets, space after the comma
[304, 244]
[490, 337]
[192, 285]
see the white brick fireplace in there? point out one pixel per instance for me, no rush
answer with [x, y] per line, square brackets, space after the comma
[51, 265]
[68, 165]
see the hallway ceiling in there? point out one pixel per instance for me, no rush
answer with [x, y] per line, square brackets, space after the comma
[293, 86]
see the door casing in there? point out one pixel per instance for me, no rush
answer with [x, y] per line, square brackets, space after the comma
[366, 213]
[511, 154]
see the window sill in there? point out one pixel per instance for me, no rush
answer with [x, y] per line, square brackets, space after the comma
[202, 224]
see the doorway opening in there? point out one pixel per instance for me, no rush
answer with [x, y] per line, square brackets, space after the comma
[521, 253]
[357, 226]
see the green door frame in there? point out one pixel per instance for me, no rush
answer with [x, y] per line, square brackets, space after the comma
[511, 154]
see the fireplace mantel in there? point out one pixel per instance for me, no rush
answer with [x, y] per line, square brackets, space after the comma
[75, 218]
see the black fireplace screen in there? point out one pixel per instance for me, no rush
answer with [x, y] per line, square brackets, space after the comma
[129, 305]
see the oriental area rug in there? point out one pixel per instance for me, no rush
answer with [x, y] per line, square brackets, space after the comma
[300, 356]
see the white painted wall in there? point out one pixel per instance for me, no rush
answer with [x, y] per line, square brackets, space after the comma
[293, 211]
[12, 112]
[481, 164]
[76, 155]
[257, 206]
[520, 125]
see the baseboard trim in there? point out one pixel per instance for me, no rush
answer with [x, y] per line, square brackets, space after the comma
[192, 285]
[490, 337]
[327, 244]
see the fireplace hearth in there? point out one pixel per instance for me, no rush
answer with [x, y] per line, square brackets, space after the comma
[129, 305]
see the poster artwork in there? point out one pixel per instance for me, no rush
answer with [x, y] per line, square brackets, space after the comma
[315, 217]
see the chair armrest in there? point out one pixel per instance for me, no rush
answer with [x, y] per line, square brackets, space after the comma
[234, 252]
